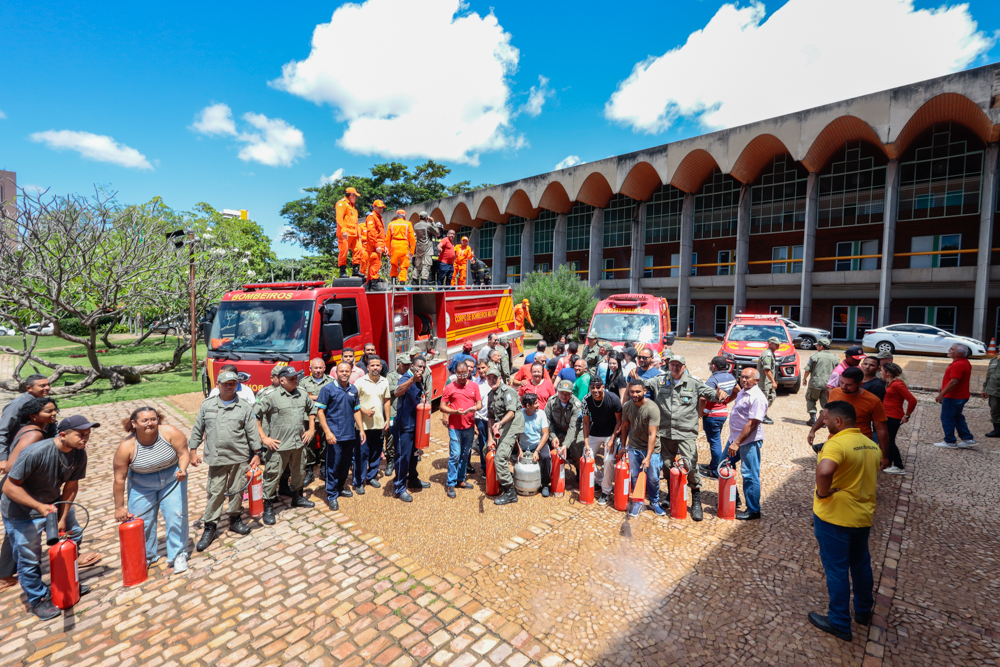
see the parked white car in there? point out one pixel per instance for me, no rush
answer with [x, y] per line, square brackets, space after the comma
[919, 339]
[806, 337]
[7, 331]
[40, 328]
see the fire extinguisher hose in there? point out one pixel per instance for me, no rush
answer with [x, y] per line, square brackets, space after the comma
[52, 522]
[264, 458]
[156, 505]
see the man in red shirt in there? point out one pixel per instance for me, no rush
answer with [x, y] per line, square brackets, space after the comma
[446, 258]
[524, 373]
[460, 401]
[539, 384]
[953, 396]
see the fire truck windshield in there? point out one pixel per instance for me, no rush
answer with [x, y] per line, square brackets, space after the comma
[261, 326]
[756, 333]
[634, 327]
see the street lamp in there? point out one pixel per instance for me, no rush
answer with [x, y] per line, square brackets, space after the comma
[177, 238]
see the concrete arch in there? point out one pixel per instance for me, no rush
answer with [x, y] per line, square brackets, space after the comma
[641, 182]
[833, 137]
[488, 210]
[519, 204]
[555, 198]
[415, 217]
[696, 168]
[461, 216]
[595, 190]
[758, 155]
[439, 215]
[947, 107]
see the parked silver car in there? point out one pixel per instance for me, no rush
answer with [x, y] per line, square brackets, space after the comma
[804, 337]
[919, 339]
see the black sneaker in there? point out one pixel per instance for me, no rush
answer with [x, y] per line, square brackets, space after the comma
[360, 490]
[45, 610]
[450, 490]
[84, 589]
[346, 493]
[419, 484]
[767, 420]
[377, 484]
[405, 497]
[333, 504]
[602, 499]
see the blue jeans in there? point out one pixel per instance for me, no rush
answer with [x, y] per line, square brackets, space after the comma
[635, 458]
[713, 431]
[144, 491]
[338, 466]
[406, 461]
[952, 418]
[444, 273]
[459, 451]
[482, 426]
[749, 454]
[27, 543]
[845, 550]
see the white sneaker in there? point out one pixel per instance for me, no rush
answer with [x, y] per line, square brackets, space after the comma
[968, 443]
[181, 563]
[946, 445]
[893, 470]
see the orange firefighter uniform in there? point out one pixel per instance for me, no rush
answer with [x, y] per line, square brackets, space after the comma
[520, 312]
[463, 255]
[402, 243]
[373, 242]
[347, 230]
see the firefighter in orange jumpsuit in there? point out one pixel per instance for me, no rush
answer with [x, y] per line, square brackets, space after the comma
[373, 242]
[463, 254]
[520, 312]
[347, 233]
[402, 243]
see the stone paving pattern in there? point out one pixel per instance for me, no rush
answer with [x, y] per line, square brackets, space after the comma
[547, 581]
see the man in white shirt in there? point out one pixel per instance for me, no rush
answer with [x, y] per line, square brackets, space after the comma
[242, 391]
[482, 416]
[746, 437]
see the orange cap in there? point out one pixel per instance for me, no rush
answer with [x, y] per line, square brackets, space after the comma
[378, 203]
[350, 191]
[400, 211]
[465, 239]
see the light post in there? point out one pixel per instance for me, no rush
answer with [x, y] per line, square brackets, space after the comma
[176, 237]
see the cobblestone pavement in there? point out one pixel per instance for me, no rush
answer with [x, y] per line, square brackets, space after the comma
[548, 581]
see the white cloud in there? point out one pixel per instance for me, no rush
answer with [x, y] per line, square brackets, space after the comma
[740, 69]
[97, 147]
[215, 119]
[569, 161]
[537, 96]
[445, 97]
[275, 143]
[337, 175]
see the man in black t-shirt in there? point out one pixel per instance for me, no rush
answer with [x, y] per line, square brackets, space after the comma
[45, 472]
[602, 422]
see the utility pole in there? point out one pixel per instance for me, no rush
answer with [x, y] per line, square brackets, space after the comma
[194, 328]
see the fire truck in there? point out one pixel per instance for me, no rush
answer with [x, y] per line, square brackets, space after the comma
[642, 320]
[261, 325]
[747, 338]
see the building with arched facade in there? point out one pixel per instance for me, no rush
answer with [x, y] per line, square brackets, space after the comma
[862, 213]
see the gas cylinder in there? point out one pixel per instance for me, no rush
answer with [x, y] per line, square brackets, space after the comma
[132, 538]
[256, 478]
[678, 490]
[558, 474]
[63, 573]
[492, 485]
[423, 435]
[727, 492]
[623, 475]
[586, 479]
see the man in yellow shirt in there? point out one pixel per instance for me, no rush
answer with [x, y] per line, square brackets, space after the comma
[846, 473]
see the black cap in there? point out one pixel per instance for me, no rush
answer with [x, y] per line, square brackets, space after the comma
[76, 423]
[289, 372]
[855, 351]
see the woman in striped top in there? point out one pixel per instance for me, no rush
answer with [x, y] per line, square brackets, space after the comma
[153, 461]
[896, 392]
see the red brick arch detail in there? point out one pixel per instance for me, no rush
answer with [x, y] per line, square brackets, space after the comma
[461, 216]
[595, 191]
[489, 210]
[834, 136]
[942, 109]
[520, 205]
[555, 198]
[438, 215]
[641, 182]
[758, 155]
[696, 167]
[414, 217]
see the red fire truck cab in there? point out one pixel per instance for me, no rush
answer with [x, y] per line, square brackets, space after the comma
[747, 338]
[639, 319]
[261, 325]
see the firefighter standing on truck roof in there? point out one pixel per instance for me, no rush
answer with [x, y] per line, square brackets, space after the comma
[402, 243]
[426, 234]
[463, 255]
[316, 449]
[521, 312]
[373, 240]
[766, 364]
[347, 232]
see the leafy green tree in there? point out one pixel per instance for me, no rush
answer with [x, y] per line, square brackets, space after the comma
[560, 302]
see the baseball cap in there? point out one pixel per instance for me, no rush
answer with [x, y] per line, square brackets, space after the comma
[564, 385]
[465, 238]
[678, 358]
[467, 345]
[76, 423]
[350, 191]
[227, 376]
[403, 359]
[277, 368]
[289, 372]
[493, 370]
[422, 215]
[825, 342]
[400, 211]
[775, 340]
[855, 352]
[884, 355]
[379, 203]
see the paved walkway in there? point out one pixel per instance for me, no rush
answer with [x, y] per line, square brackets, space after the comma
[546, 581]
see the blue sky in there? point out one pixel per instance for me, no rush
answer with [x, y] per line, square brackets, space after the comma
[142, 76]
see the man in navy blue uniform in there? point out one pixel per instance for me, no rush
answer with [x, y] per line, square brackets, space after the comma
[408, 394]
[340, 418]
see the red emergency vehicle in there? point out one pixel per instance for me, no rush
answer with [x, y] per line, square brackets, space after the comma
[639, 319]
[263, 324]
[747, 338]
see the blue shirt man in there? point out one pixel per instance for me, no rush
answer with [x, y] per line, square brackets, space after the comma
[406, 427]
[464, 355]
[340, 418]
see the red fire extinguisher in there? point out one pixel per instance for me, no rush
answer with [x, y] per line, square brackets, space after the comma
[727, 492]
[678, 490]
[587, 478]
[256, 477]
[558, 474]
[623, 476]
[423, 435]
[132, 537]
[492, 485]
[65, 580]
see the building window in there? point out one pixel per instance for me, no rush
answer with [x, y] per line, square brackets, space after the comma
[647, 266]
[935, 244]
[786, 252]
[942, 180]
[574, 267]
[673, 320]
[716, 207]
[545, 229]
[513, 273]
[853, 192]
[726, 257]
[723, 316]
[663, 215]
[578, 227]
[791, 312]
[850, 251]
[611, 274]
[542, 268]
[778, 202]
[942, 317]
[618, 216]
[675, 262]
[486, 234]
[512, 234]
[851, 322]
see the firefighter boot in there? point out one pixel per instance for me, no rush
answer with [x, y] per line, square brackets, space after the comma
[207, 537]
[356, 272]
[509, 495]
[310, 476]
[696, 513]
[268, 517]
[343, 272]
[237, 526]
[995, 433]
[298, 500]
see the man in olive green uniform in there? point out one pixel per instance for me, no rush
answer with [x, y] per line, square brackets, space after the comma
[493, 342]
[991, 391]
[565, 414]
[274, 383]
[767, 366]
[591, 354]
[402, 367]
[229, 429]
[427, 236]
[315, 451]
[819, 368]
[676, 393]
[282, 416]
[506, 423]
